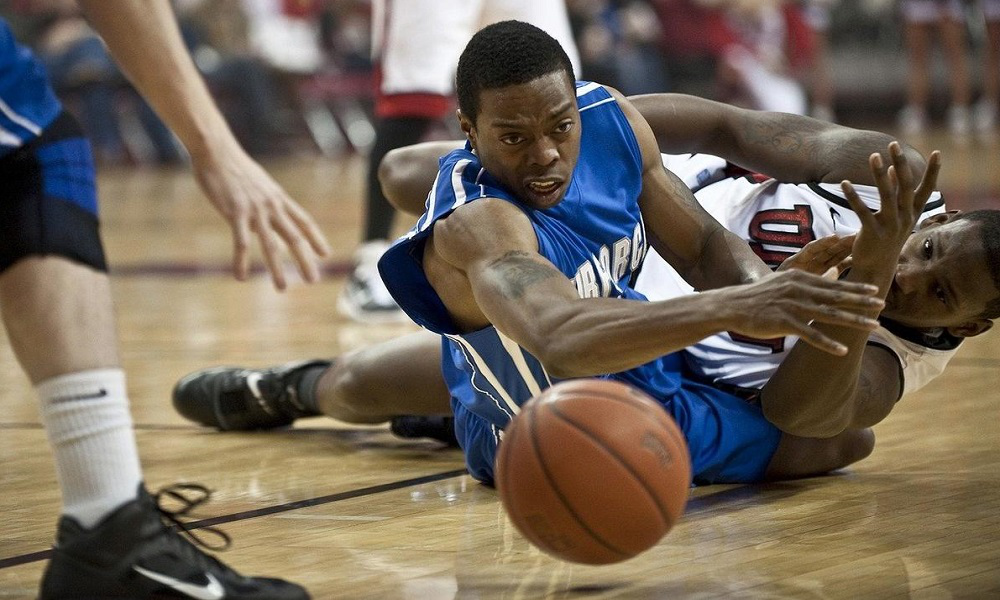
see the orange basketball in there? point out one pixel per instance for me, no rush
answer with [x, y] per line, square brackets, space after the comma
[593, 471]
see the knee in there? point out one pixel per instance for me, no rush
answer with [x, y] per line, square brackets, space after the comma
[343, 393]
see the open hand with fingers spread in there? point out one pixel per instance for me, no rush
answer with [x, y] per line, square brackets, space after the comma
[252, 201]
[791, 301]
[883, 232]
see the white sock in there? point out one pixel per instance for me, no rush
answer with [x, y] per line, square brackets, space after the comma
[86, 416]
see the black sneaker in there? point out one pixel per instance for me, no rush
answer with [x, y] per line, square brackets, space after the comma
[234, 398]
[134, 553]
[437, 428]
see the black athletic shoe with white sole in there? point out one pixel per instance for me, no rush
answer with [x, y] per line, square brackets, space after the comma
[238, 399]
[134, 553]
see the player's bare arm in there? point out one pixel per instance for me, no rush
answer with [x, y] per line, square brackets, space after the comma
[484, 263]
[691, 240]
[144, 39]
[860, 388]
[790, 148]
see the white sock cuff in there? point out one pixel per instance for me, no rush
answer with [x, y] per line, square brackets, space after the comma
[83, 383]
[83, 404]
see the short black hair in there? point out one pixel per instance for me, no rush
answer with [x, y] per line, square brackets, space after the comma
[503, 54]
[989, 234]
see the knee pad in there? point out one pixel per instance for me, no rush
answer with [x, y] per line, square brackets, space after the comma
[49, 204]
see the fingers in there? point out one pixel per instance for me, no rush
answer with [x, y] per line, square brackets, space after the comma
[901, 167]
[817, 339]
[929, 181]
[241, 246]
[308, 226]
[860, 208]
[825, 313]
[269, 248]
[299, 247]
[886, 190]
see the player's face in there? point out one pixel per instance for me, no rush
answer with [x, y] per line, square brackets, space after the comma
[942, 279]
[528, 137]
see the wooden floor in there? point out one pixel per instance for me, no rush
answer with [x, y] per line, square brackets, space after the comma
[354, 513]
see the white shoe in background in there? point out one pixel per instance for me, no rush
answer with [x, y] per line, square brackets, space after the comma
[365, 298]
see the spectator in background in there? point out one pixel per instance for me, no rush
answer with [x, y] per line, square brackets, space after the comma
[816, 14]
[760, 44]
[217, 33]
[985, 114]
[81, 71]
[620, 44]
[920, 19]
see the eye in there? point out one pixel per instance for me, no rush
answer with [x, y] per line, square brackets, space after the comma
[564, 127]
[511, 139]
[928, 248]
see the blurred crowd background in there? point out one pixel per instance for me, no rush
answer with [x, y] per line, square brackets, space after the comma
[296, 76]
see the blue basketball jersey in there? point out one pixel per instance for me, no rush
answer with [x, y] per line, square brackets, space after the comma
[27, 103]
[595, 236]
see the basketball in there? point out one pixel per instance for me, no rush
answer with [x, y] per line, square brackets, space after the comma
[593, 471]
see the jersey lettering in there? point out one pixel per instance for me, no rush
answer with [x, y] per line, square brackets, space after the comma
[781, 227]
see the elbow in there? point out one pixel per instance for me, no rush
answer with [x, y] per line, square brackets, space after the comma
[395, 171]
[563, 354]
[563, 361]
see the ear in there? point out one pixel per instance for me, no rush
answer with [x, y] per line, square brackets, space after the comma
[468, 127]
[939, 219]
[971, 328]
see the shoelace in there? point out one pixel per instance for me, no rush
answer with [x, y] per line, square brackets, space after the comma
[178, 492]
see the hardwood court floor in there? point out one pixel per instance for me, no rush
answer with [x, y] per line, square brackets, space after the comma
[352, 512]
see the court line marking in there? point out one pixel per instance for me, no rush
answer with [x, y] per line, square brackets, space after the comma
[30, 557]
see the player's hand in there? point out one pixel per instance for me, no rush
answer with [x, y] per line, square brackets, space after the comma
[254, 204]
[883, 233]
[789, 302]
[828, 256]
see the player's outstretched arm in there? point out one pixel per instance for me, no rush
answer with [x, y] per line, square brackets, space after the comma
[483, 260]
[143, 37]
[812, 395]
[788, 147]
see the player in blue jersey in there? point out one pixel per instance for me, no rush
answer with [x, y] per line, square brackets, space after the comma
[532, 219]
[112, 539]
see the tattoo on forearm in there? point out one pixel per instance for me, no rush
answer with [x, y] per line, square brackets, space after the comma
[774, 134]
[518, 270]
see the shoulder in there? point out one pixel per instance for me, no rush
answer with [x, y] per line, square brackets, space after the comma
[482, 229]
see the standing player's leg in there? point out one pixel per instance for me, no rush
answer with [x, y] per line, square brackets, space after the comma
[56, 304]
[918, 17]
[952, 28]
[418, 43]
[989, 104]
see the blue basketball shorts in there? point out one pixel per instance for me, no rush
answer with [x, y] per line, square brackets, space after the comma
[49, 200]
[729, 439]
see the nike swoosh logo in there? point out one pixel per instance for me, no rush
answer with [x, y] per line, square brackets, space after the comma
[99, 394]
[253, 382]
[212, 591]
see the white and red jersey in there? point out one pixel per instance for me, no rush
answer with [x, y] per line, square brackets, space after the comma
[778, 219]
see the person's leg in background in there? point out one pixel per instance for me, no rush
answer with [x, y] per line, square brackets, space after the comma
[985, 114]
[918, 17]
[417, 43]
[953, 45]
